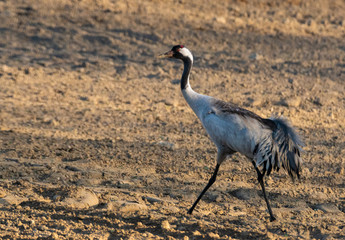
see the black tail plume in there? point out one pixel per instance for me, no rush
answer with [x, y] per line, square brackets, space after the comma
[288, 146]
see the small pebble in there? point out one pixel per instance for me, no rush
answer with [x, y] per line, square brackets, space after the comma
[213, 235]
[165, 225]
[328, 208]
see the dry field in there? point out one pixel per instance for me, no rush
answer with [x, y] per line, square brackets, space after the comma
[97, 142]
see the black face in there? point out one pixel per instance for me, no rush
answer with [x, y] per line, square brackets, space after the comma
[173, 53]
[176, 51]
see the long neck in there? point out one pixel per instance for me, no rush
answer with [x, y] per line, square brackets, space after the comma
[186, 71]
[196, 101]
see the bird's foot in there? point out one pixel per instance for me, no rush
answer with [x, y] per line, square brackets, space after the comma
[272, 218]
[190, 211]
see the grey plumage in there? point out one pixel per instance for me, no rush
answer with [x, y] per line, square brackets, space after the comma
[230, 108]
[279, 149]
[287, 149]
[268, 143]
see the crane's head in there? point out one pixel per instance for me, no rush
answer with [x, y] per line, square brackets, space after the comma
[178, 52]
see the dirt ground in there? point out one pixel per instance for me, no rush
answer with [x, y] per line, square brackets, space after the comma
[97, 142]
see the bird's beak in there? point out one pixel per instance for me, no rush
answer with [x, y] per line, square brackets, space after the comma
[166, 55]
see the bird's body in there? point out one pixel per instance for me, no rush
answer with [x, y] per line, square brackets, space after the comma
[268, 143]
[229, 128]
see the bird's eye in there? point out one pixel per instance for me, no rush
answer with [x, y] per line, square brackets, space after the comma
[181, 46]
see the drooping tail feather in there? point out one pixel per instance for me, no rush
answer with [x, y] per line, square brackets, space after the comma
[280, 149]
[287, 146]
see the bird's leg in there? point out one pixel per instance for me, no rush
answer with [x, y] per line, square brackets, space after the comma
[209, 184]
[260, 179]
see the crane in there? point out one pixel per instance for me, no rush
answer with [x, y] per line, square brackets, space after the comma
[268, 143]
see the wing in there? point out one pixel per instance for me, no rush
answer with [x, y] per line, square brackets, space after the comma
[234, 127]
[229, 108]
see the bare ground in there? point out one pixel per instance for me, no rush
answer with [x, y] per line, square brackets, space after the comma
[97, 142]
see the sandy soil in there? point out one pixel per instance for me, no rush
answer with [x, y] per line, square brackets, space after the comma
[97, 142]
